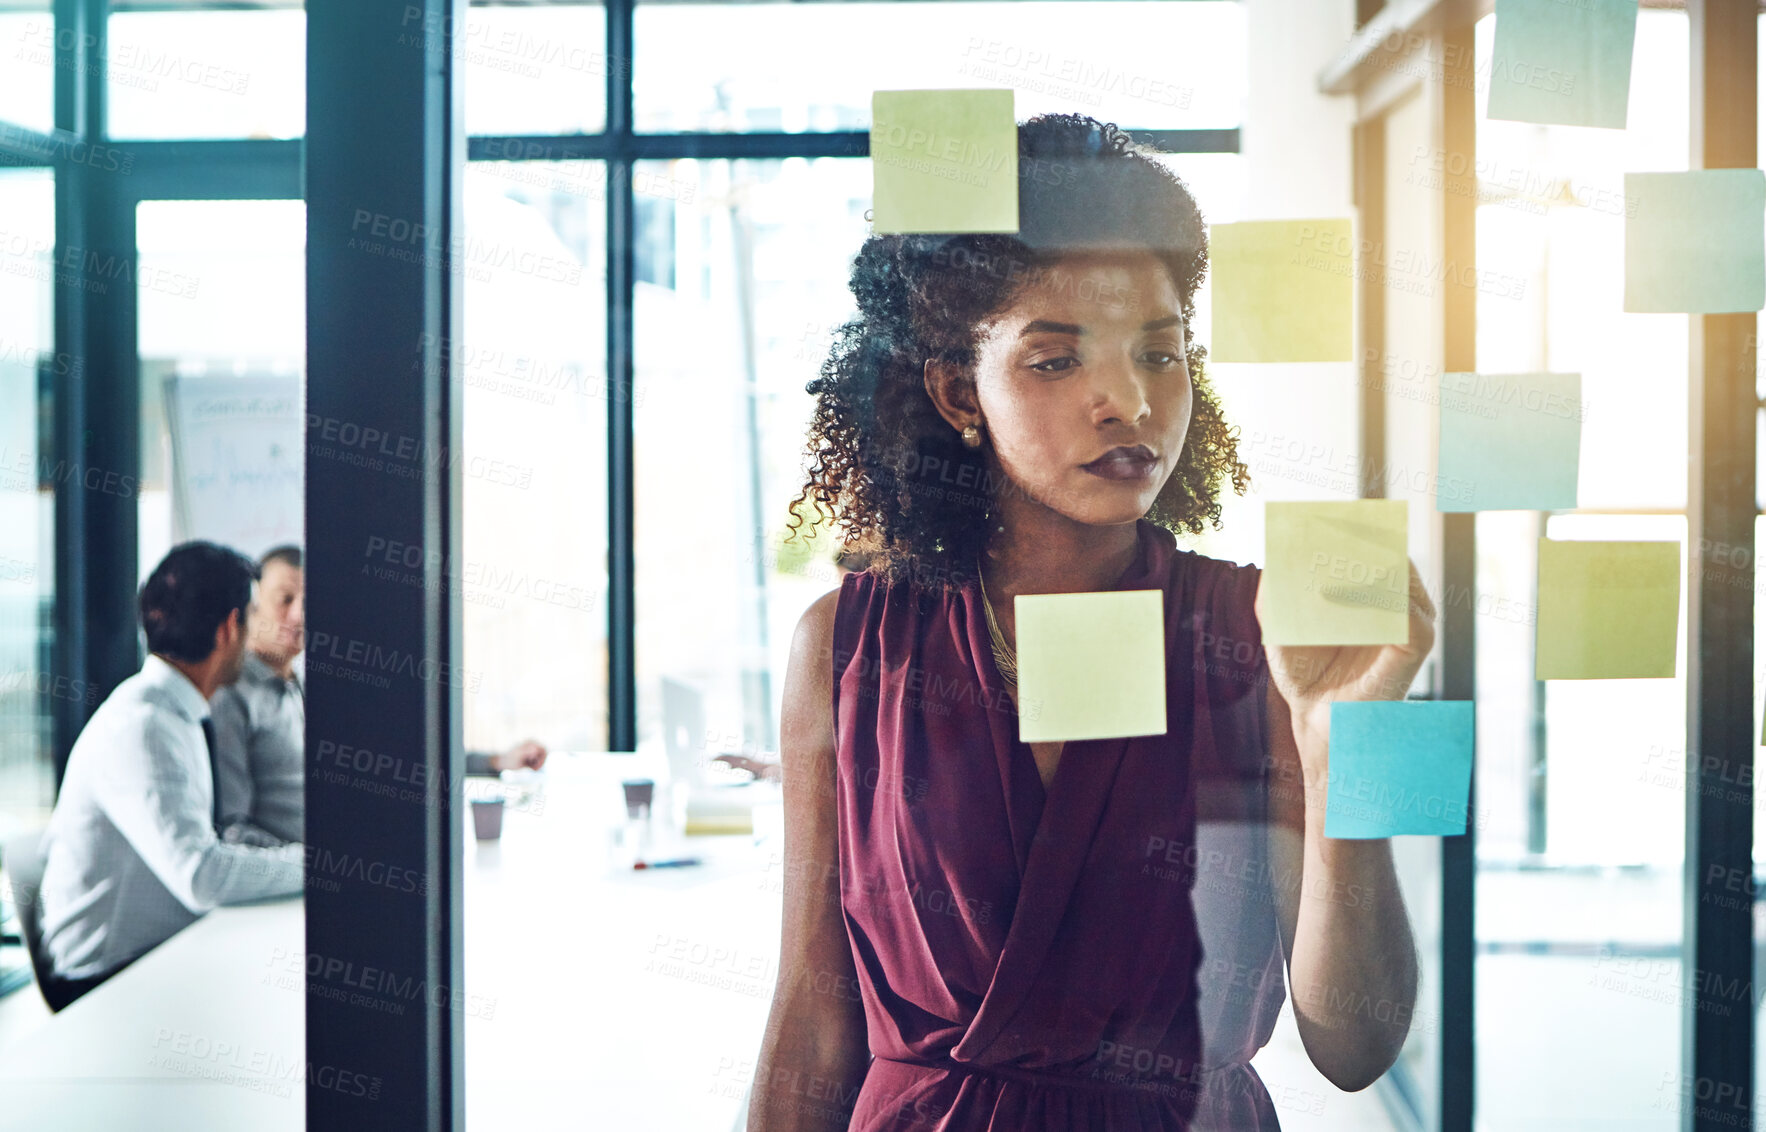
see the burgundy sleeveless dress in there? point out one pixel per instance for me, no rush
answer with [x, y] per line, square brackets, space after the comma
[1100, 955]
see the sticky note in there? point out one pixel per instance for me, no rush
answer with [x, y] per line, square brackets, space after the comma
[1283, 291]
[1336, 573]
[1562, 62]
[1399, 767]
[1695, 243]
[944, 161]
[1091, 665]
[1607, 610]
[1509, 442]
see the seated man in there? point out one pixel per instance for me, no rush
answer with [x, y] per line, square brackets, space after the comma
[131, 856]
[260, 721]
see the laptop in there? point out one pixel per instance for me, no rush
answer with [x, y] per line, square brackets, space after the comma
[712, 803]
[683, 731]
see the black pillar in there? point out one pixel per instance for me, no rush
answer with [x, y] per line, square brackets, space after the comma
[97, 399]
[1459, 575]
[1719, 996]
[384, 157]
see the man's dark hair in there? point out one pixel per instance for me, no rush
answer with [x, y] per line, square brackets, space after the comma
[189, 595]
[288, 554]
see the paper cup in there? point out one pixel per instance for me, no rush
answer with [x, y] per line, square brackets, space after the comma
[487, 819]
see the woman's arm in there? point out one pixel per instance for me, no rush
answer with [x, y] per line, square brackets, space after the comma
[814, 1056]
[1352, 965]
[1352, 962]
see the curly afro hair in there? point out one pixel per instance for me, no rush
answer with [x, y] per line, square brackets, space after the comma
[891, 472]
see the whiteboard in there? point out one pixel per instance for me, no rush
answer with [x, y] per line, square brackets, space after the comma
[237, 471]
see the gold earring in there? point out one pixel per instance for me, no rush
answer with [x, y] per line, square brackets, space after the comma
[971, 436]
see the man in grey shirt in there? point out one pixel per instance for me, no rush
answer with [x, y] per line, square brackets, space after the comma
[260, 721]
[131, 856]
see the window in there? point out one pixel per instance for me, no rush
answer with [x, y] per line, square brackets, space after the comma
[27, 65]
[207, 74]
[813, 67]
[534, 504]
[222, 293]
[29, 367]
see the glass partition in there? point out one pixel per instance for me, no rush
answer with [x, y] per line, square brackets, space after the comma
[1581, 784]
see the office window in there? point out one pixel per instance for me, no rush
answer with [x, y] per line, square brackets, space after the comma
[762, 251]
[534, 496]
[29, 367]
[1581, 783]
[222, 300]
[27, 65]
[535, 68]
[814, 66]
[207, 74]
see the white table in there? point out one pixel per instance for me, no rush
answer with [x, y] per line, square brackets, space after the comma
[595, 997]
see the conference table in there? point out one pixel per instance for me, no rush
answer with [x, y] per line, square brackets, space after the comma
[595, 996]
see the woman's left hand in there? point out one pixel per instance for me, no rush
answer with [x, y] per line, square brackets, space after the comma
[1310, 677]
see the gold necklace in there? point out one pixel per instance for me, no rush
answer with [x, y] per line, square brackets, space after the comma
[1004, 658]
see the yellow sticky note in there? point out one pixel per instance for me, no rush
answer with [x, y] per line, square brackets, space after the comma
[1090, 666]
[944, 161]
[1283, 291]
[1607, 610]
[1336, 573]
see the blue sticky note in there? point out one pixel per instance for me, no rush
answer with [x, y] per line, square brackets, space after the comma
[1695, 243]
[1563, 62]
[1509, 442]
[1399, 767]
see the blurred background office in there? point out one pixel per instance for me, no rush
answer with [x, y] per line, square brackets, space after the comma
[728, 186]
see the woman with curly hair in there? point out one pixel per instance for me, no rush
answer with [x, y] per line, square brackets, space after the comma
[981, 933]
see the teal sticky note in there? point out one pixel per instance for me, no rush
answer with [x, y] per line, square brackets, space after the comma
[944, 161]
[1695, 243]
[1399, 767]
[1509, 442]
[1563, 62]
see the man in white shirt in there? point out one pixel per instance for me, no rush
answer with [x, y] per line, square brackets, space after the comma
[131, 856]
[260, 720]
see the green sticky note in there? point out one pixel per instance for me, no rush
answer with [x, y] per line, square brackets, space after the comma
[1336, 573]
[1607, 610]
[944, 161]
[1399, 767]
[1090, 666]
[1562, 62]
[1695, 243]
[1509, 442]
[1283, 291]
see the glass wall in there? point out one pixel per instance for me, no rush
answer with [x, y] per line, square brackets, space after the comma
[1581, 783]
